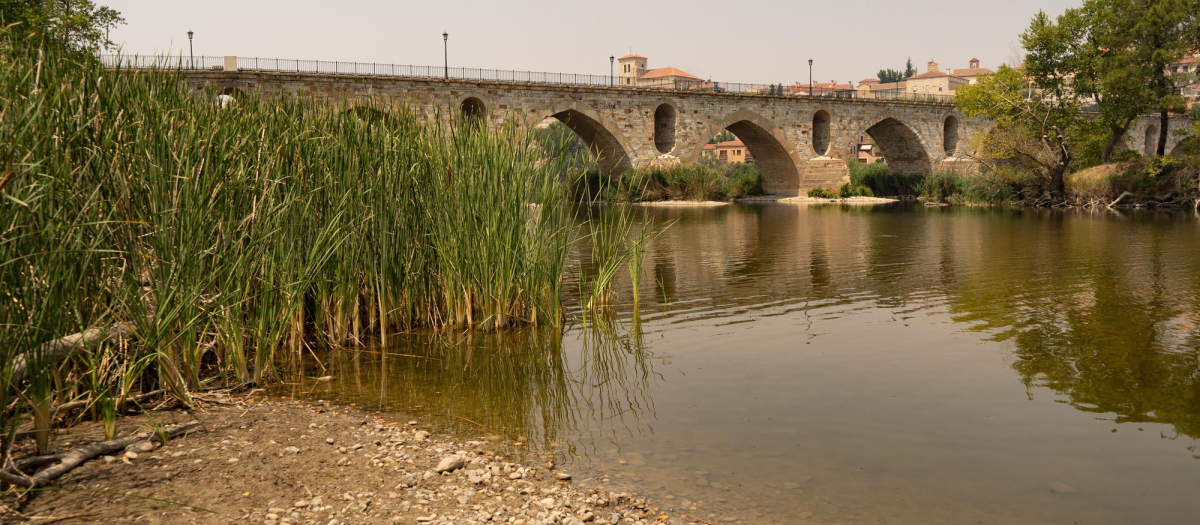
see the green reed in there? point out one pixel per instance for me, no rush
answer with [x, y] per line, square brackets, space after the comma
[228, 238]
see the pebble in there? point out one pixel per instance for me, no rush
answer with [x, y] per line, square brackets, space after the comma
[329, 440]
[291, 450]
[131, 454]
[450, 464]
[562, 476]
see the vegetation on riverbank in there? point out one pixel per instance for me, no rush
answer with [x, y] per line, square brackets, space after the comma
[679, 182]
[185, 244]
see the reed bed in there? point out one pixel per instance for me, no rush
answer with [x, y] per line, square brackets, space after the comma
[181, 242]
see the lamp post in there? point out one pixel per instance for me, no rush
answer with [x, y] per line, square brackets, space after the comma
[446, 53]
[191, 52]
[810, 86]
[610, 69]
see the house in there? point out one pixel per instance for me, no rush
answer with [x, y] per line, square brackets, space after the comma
[635, 73]
[972, 74]
[831, 88]
[878, 90]
[934, 82]
[729, 152]
[865, 150]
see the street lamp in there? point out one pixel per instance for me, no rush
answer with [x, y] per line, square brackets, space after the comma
[810, 85]
[610, 69]
[191, 52]
[446, 52]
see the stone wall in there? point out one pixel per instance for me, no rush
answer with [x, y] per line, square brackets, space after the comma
[619, 123]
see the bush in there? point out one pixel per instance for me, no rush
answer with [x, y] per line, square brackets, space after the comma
[941, 185]
[881, 181]
[822, 193]
[849, 190]
[744, 180]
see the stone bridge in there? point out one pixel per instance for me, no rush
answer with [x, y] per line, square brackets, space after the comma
[799, 143]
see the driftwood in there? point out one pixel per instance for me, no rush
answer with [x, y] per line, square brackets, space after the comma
[1124, 195]
[69, 460]
[62, 348]
[83, 403]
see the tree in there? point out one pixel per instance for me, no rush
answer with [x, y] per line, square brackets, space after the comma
[1034, 109]
[888, 76]
[79, 24]
[1135, 42]
[909, 70]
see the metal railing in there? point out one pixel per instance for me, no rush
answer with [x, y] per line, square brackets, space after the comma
[281, 65]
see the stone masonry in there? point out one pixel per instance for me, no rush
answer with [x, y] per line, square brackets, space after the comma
[798, 143]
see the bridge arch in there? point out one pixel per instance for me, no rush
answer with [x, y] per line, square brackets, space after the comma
[901, 147]
[600, 134]
[777, 165]
[664, 127]
[821, 124]
[1150, 146]
[950, 126]
[473, 108]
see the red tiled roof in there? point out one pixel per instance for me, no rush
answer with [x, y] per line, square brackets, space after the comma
[667, 72]
[726, 144]
[868, 80]
[972, 72]
[930, 74]
[631, 55]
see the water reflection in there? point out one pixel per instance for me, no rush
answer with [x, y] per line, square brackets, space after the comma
[892, 364]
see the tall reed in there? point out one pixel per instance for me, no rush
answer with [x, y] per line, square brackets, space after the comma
[228, 237]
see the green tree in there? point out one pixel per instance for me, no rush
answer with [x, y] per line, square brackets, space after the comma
[79, 24]
[1034, 109]
[1136, 42]
[888, 76]
[909, 70]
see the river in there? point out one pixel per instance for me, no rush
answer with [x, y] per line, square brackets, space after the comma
[892, 364]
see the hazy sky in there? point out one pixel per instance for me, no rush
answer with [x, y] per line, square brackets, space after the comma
[763, 41]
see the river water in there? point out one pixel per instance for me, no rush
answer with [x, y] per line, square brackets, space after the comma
[859, 365]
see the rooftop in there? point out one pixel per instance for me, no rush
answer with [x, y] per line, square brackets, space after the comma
[632, 55]
[667, 72]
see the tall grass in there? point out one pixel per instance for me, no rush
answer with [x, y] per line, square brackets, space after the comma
[682, 182]
[880, 181]
[228, 237]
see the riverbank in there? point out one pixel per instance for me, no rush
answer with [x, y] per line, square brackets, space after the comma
[276, 462]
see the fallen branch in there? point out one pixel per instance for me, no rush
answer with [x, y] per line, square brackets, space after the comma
[83, 403]
[62, 348]
[1123, 196]
[77, 457]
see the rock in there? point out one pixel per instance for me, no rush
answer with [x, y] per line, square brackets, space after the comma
[300, 503]
[329, 440]
[587, 516]
[515, 475]
[547, 503]
[131, 454]
[141, 446]
[421, 435]
[291, 450]
[450, 464]
[562, 476]
[272, 516]
[572, 521]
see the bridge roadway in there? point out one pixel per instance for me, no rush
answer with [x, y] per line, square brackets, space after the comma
[799, 143]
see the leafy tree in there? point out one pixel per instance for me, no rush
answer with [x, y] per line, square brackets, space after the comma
[1034, 110]
[909, 70]
[79, 24]
[1135, 42]
[888, 76]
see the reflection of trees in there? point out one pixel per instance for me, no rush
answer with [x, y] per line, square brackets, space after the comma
[1096, 317]
[526, 384]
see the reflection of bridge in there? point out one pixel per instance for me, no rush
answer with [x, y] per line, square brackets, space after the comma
[798, 142]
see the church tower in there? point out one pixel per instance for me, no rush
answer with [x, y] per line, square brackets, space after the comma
[630, 67]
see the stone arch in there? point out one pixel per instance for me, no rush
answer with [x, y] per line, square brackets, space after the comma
[777, 165]
[601, 135]
[901, 147]
[664, 127]
[473, 108]
[1150, 146]
[821, 133]
[950, 135]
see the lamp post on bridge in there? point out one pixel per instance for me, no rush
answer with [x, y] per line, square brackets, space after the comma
[191, 52]
[610, 69]
[810, 85]
[446, 53]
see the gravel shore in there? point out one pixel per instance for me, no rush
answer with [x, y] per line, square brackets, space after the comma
[289, 463]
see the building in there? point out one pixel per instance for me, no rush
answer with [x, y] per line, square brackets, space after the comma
[635, 73]
[972, 74]
[1188, 71]
[877, 90]
[831, 88]
[934, 82]
[729, 152]
[865, 151]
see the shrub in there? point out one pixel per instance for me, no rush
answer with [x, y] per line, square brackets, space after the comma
[850, 190]
[822, 193]
[941, 185]
[881, 181]
[744, 180]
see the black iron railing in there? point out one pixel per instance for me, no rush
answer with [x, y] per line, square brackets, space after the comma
[502, 75]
